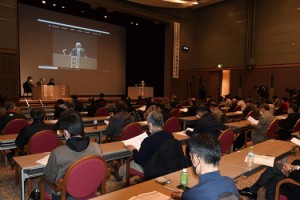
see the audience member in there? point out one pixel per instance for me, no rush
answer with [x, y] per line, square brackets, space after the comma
[205, 154]
[207, 123]
[240, 102]
[101, 101]
[92, 107]
[233, 105]
[173, 101]
[227, 100]
[118, 121]
[271, 176]
[9, 115]
[276, 101]
[78, 106]
[71, 126]
[164, 111]
[250, 106]
[150, 144]
[221, 117]
[285, 105]
[37, 115]
[59, 107]
[286, 125]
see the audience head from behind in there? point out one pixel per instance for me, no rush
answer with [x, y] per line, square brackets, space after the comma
[201, 110]
[294, 108]
[213, 105]
[121, 106]
[264, 108]
[101, 95]
[37, 114]
[9, 106]
[155, 121]
[70, 123]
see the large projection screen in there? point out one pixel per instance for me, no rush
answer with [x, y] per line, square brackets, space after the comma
[87, 55]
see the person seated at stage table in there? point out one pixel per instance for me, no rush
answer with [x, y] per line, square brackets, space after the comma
[271, 176]
[250, 106]
[207, 123]
[118, 121]
[10, 114]
[51, 82]
[59, 107]
[41, 82]
[157, 137]
[205, 155]
[77, 146]
[286, 125]
[37, 115]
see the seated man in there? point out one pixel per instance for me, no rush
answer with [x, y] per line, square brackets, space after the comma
[207, 123]
[251, 107]
[71, 125]
[271, 177]
[286, 125]
[37, 115]
[10, 114]
[149, 145]
[205, 153]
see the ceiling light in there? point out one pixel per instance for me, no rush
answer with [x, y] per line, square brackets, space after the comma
[105, 16]
[43, 2]
[54, 4]
[63, 7]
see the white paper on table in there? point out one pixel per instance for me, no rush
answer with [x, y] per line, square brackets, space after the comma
[263, 160]
[155, 195]
[143, 108]
[252, 120]
[181, 133]
[239, 112]
[44, 160]
[183, 109]
[295, 141]
[136, 141]
[189, 129]
[106, 122]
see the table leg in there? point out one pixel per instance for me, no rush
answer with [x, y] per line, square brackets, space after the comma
[17, 174]
[184, 125]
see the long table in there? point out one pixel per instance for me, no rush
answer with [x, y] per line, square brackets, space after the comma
[231, 165]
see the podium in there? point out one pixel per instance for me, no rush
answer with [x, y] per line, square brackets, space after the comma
[74, 62]
[134, 92]
[49, 92]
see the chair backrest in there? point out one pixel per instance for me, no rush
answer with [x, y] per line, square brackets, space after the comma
[43, 141]
[84, 176]
[278, 196]
[272, 129]
[172, 125]
[296, 127]
[101, 112]
[174, 112]
[131, 130]
[249, 114]
[238, 108]
[15, 126]
[226, 140]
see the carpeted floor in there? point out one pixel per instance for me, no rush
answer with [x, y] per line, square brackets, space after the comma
[10, 191]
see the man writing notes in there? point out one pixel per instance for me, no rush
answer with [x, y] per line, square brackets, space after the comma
[78, 51]
[205, 153]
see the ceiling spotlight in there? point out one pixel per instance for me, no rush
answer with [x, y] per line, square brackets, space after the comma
[43, 2]
[54, 4]
[82, 11]
[63, 7]
[131, 22]
[136, 24]
[105, 16]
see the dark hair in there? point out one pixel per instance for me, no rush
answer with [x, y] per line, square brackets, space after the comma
[37, 114]
[207, 147]
[285, 98]
[74, 96]
[29, 77]
[160, 105]
[8, 105]
[60, 101]
[71, 121]
[101, 95]
[121, 105]
[295, 107]
[265, 106]
[201, 108]
[155, 118]
[213, 104]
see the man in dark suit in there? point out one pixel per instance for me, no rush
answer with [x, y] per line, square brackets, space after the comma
[78, 51]
[287, 124]
[37, 115]
[10, 114]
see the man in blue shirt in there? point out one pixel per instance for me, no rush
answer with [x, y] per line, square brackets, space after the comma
[205, 153]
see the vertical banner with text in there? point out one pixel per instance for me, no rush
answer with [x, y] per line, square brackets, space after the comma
[176, 47]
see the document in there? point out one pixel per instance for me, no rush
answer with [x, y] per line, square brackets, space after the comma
[143, 108]
[239, 112]
[183, 109]
[263, 160]
[189, 129]
[106, 122]
[150, 196]
[44, 160]
[295, 141]
[181, 133]
[252, 120]
[136, 141]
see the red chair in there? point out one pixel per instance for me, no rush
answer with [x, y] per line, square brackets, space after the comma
[279, 196]
[174, 112]
[172, 125]
[271, 132]
[250, 114]
[82, 179]
[101, 112]
[131, 130]
[226, 140]
[296, 127]
[15, 126]
[43, 141]
[238, 108]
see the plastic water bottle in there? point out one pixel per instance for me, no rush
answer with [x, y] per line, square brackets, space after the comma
[95, 125]
[184, 178]
[250, 158]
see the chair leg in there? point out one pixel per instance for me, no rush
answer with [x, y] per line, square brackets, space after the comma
[128, 172]
[42, 188]
[17, 174]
